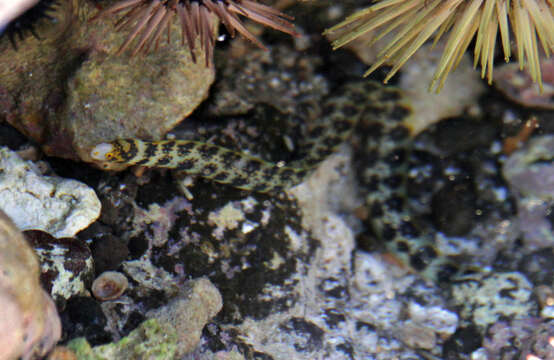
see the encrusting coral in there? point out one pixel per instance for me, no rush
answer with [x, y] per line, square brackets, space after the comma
[415, 21]
[148, 19]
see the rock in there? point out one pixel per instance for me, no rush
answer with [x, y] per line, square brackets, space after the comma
[66, 265]
[117, 197]
[454, 220]
[537, 266]
[80, 94]
[416, 336]
[475, 134]
[441, 321]
[459, 92]
[539, 344]
[530, 170]
[160, 219]
[30, 325]
[149, 277]
[58, 206]
[24, 100]
[522, 339]
[530, 173]
[108, 252]
[279, 78]
[292, 281]
[151, 340]
[171, 331]
[485, 299]
[83, 316]
[187, 314]
[61, 353]
[545, 296]
[518, 86]
[463, 341]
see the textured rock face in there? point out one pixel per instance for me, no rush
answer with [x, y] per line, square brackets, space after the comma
[530, 172]
[29, 321]
[66, 265]
[487, 299]
[294, 279]
[188, 313]
[519, 87]
[70, 92]
[58, 206]
[170, 332]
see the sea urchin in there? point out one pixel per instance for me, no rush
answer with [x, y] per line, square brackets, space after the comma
[147, 20]
[415, 21]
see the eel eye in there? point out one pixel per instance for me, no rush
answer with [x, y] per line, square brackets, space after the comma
[102, 152]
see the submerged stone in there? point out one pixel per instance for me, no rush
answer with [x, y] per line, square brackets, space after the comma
[68, 92]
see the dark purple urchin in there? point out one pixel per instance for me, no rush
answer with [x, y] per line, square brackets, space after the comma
[147, 20]
[25, 23]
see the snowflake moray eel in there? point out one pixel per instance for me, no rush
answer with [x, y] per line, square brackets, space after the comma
[370, 115]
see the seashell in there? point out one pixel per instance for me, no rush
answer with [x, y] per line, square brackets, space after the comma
[109, 285]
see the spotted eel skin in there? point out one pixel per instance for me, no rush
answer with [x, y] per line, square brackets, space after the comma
[382, 145]
[237, 169]
[381, 142]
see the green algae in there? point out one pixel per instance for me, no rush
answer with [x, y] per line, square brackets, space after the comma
[150, 340]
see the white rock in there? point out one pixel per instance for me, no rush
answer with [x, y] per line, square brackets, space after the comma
[58, 206]
[460, 92]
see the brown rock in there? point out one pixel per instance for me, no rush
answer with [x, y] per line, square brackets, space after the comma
[70, 91]
[29, 322]
[518, 85]
[188, 313]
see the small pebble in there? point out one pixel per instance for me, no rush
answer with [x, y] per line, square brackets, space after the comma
[83, 317]
[417, 336]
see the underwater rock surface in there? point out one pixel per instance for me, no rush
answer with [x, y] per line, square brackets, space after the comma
[61, 207]
[30, 324]
[518, 86]
[530, 172]
[66, 265]
[172, 330]
[70, 91]
[292, 276]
